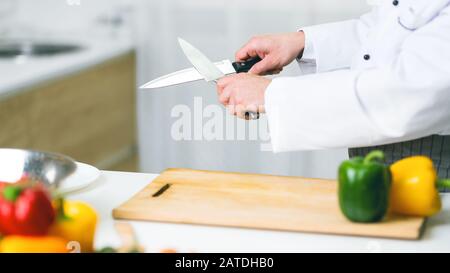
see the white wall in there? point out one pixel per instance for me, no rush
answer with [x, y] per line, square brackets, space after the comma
[219, 28]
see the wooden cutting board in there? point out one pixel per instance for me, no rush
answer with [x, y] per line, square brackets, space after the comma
[255, 201]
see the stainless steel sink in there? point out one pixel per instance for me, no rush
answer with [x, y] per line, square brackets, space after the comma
[35, 49]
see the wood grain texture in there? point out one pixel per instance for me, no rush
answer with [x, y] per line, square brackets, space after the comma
[89, 115]
[14, 121]
[255, 201]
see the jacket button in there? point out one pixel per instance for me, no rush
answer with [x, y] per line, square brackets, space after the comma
[395, 3]
[367, 57]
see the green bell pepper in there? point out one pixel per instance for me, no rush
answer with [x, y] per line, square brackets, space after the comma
[364, 186]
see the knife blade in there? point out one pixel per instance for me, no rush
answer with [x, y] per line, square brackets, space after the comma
[203, 65]
[191, 74]
[187, 75]
[206, 68]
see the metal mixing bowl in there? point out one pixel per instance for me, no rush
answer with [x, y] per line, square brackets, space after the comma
[49, 168]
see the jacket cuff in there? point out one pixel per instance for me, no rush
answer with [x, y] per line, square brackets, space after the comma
[308, 52]
[307, 61]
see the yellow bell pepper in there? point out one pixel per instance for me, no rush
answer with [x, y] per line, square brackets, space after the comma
[76, 222]
[414, 187]
[36, 244]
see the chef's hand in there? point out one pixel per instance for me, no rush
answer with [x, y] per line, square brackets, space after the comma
[276, 51]
[243, 93]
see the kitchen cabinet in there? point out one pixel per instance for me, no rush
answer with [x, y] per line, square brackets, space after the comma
[89, 115]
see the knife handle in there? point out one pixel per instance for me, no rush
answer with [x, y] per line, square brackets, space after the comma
[251, 115]
[245, 66]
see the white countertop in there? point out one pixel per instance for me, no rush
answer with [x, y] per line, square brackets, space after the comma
[115, 188]
[19, 74]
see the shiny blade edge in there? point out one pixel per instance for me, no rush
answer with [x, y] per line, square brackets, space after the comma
[186, 75]
[175, 78]
[203, 65]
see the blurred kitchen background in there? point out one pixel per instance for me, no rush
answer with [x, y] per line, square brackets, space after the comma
[77, 93]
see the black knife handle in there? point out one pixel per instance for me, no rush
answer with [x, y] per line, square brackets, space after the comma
[251, 115]
[245, 66]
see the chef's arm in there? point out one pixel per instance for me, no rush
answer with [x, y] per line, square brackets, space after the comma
[331, 46]
[405, 100]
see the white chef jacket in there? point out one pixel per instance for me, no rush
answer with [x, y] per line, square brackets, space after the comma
[380, 79]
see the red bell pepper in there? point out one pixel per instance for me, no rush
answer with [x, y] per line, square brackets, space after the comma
[25, 210]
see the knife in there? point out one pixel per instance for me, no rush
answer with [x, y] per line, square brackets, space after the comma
[204, 69]
[209, 70]
[191, 74]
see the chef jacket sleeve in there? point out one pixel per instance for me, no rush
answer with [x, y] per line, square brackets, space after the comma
[331, 46]
[406, 99]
